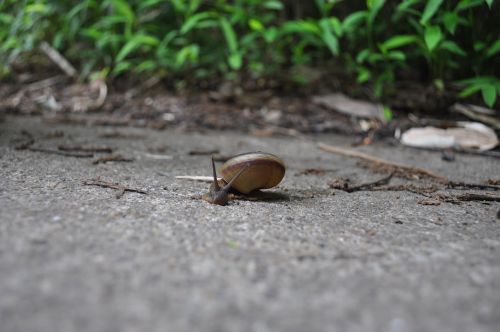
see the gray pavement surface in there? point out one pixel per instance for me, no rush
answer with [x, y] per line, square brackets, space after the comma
[75, 258]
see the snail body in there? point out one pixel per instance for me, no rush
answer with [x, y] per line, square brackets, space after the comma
[245, 173]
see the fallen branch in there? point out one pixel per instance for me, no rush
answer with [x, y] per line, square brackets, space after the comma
[379, 163]
[121, 188]
[115, 157]
[58, 59]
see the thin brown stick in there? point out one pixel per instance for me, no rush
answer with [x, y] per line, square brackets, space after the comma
[115, 157]
[477, 197]
[479, 186]
[342, 185]
[61, 153]
[397, 168]
[58, 59]
[29, 141]
[80, 148]
[121, 188]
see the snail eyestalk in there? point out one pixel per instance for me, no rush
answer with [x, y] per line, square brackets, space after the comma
[216, 183]
[218, 195]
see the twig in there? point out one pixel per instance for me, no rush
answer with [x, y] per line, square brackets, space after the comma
[468, 111]
[115, 157]
[343, 185]
[61, 153]
[30, 140]
[462, 185]
[421, 190]
[397, 168]
[80, 148]
[493, 154]
[121, 188]
[382, 185]
[103, 93]
[196, 178]
[439, 198]
[58, 59]
[202, 152]
[45, 83]
[477, 197]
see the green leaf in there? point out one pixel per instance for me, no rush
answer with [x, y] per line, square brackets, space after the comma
[489, 3]
[187, 53]
[489, 94]
[229, 34]
[388, 114]
[36, 8]
[432, 37]
[363, 55]
[273, 4]
[134, 43]
[450, 20]
[353, 20]
[397, 55]
[255, 25]
[193, 21]
[374, 7]
[363, 75]
[478, 80]
[405, 5]
[147, 65]
[398, 41]
[493, 49]
[123, 8]
[469, 91]
[453, 48]
[235, 61]
[328, 37]
[301, 26]
[6, 19]
[336, 26]
[430, 9]
[270, 34]
[466, 4]
[121, 67]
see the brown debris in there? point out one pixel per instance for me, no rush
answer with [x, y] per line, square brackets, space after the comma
[112, 158]
[121, 188]
[203, 152]
[121, 135]
[439, 198]
[312, 171]
[369, 185]
[494, 182]
[398, 169]
[103, 149]
[30, 141]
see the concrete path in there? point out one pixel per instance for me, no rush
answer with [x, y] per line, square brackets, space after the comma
[75, 258]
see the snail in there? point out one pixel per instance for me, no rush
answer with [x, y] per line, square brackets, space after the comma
[245, 173]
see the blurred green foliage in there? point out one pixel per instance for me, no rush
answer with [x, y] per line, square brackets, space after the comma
[377, 41]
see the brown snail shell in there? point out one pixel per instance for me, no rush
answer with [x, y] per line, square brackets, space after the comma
[263, 170]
